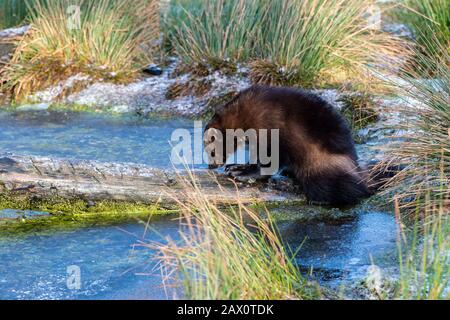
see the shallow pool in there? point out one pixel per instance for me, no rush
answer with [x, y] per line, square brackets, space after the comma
[35, 266]
[111, 266]
[336, 253]
[90, 136]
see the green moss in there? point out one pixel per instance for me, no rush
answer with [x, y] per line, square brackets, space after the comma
[67, 222]
[58, 205]
[72, 107]
[70, 214]
[309, 213]
[302, 212]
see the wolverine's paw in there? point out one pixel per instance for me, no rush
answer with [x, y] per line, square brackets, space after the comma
[248, 173]
[242, 169]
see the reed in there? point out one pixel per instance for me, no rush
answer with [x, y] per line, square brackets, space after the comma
[292, 42]
[422, 146]
[228, 253]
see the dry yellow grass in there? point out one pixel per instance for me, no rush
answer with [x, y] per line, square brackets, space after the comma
[111, 40]
[228, 253]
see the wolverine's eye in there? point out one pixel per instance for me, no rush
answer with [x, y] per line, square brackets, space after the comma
[213, 153]
[213, 139]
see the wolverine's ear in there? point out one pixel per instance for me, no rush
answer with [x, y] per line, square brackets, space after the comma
[226, 102]
[214, 122]
[217, 120]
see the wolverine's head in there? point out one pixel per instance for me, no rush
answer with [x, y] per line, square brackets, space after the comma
[214, 140]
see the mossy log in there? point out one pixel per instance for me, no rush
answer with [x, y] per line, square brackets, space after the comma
[93, 181]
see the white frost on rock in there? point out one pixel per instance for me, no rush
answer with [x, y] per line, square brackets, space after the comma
[331, 96]
[149, 94]
[51, 94]
[14, 32]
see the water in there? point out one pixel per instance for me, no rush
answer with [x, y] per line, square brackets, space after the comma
[36, 266]
[102, 137]
[341, 252]
[87, 136]
[9, 214]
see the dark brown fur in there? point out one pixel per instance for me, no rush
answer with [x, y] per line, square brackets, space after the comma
[316, 144]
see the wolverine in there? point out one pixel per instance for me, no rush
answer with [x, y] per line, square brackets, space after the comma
[316, 147]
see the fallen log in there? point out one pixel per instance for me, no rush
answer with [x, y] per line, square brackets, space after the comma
[94, 181]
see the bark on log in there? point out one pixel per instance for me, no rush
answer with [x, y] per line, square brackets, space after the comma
[90, 180]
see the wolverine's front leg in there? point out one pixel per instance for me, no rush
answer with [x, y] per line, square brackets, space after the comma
[242, 169]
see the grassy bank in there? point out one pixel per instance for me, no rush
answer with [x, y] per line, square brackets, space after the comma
[423, 144]
[290, 42]
[105, 39]
[429, 20]
[421, 190]
[424, 254]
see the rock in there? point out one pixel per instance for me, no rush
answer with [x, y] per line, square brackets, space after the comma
[6, 51]
[7, 162]
[13, 32]
[121, 109]
[90, 204]
[148, 95]
[399, 30]
[7, 45]
[331, 96]
[153, 70]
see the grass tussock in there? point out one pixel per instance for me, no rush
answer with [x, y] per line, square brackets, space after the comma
[423, 147]
[424, 258]
[313, 40]
[428, 19]
[359, 109]
[291, 42]
[213, 30]
[12, 13]
[111, 41]
[228, 253]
